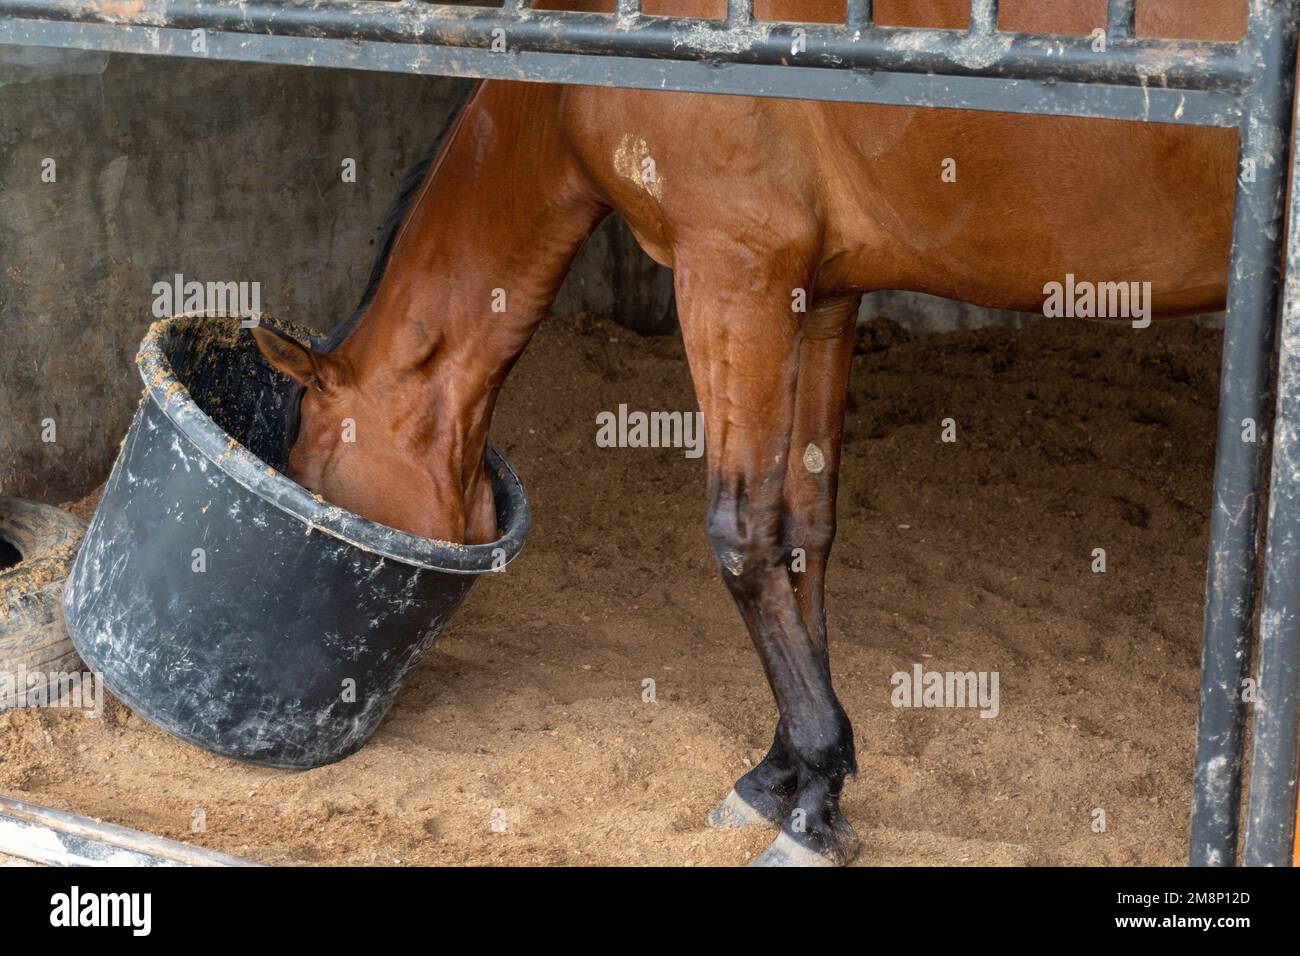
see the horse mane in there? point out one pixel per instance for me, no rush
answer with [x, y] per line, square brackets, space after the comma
[407, 191]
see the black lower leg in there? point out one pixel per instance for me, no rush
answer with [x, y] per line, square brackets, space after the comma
[770, 787]
[814, 820]
[804, 772]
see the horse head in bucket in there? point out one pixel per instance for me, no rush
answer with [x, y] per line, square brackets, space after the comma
[366, 444]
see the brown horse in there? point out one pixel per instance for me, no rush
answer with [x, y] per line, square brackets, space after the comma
[754, 204]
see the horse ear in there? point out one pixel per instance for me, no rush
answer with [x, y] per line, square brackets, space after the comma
[304, 365]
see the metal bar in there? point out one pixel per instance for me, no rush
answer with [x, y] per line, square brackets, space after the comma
[1158, 105]
[1270, 817]
[1271, 812]
[627, 9]
[1121, 19]
[1254, 279]
[55, 838]
[1178, 64]
[858, 15]
[983, 16]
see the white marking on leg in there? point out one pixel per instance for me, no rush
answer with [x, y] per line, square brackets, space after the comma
[813, 459]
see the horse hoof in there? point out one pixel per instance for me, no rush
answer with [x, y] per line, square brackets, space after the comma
[736, 811]
[786, 851]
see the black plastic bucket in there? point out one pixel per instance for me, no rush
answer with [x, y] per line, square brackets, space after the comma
[284, 640]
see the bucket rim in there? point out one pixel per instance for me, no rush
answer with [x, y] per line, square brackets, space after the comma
[226, 453]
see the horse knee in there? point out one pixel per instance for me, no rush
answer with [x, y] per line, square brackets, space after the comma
[744, 544]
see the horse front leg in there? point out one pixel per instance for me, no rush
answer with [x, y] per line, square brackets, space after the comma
[765, 795]
[744, 348]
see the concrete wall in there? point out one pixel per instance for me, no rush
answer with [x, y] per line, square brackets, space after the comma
[220, 172]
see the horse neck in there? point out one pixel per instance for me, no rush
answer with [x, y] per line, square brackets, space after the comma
[475, 266]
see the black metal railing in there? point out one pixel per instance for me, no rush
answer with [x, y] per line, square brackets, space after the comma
[1248, 85]
[981, 51]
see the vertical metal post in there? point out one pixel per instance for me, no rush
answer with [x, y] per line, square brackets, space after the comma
[1271, 813]
[628, 8]
[740, 12]
[1253, 285]
[1121, 18]
[859, 15]
[1270, 818]
[983, 16]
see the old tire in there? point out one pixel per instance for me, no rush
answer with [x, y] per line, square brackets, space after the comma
[37, 545]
